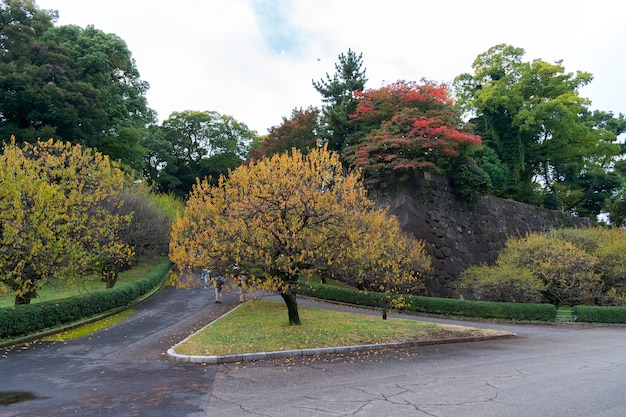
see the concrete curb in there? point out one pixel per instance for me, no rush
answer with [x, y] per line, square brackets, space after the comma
[260, 356]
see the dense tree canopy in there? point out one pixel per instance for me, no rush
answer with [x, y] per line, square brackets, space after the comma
[53, 216]
[279, 216]
[68, 83]
[194, 144]
[564, 266]
[557, 151]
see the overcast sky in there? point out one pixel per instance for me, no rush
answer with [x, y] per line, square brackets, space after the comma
[255, 59]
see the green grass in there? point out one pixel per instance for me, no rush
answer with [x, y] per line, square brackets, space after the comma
[90, 328]
[56, 289]
[564, 313]
[262, 326]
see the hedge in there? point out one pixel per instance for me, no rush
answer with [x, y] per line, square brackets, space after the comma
[27, 319]
[434, 305]
[594, 314]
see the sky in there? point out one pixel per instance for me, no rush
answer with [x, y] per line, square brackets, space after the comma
[255, 60]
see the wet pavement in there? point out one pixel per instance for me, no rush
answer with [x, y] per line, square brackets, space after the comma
[121, 371]
[548, 370]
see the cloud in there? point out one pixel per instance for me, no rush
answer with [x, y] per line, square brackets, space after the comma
[255, 59]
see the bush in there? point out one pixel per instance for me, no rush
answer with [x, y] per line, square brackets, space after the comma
[569, 273]
[442, 306]
[610, 253]
[608, 247]
[32, 318]
[148, 232]
[504, 283]
[583, 238]
[484, 309]
[593, 314]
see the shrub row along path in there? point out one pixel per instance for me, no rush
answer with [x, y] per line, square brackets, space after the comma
[123, 371]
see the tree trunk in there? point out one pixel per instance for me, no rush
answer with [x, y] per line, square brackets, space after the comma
[111, 278]
[292, 307]
[25, 298]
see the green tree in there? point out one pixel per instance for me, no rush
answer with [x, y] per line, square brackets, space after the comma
[616, 205]
[160, 165]
[276, 218]
[338, 96]
[69, 83]
[195, 144]
[53, 219]
[39, 92]
[106, 63]
[532, 116]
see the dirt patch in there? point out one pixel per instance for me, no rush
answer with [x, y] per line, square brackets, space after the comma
[447, 331]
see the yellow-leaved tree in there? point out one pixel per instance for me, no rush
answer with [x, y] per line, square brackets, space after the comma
[279, 216]
[386, 260]
[53, 220]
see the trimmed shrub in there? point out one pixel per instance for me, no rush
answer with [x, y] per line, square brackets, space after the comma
[32, 318]
[594, 314]
[441, 306]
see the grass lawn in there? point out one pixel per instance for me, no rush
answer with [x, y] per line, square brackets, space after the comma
[55, 289]
[262, 326]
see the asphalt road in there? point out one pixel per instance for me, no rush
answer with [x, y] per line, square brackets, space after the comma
[564, 370]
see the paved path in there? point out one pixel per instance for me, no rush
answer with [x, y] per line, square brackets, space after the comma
[121, 371]
[563, 370]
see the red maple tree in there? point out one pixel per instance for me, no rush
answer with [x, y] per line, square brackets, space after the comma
[407, 126]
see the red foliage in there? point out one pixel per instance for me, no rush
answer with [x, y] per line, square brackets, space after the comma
[405, 126]
[299, 132]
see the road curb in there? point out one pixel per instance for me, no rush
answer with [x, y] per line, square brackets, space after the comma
[260, 356]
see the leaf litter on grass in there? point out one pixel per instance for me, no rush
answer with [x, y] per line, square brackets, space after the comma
[262, 326]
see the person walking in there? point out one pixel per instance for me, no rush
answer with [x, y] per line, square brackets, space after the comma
[204, 278]
[218, 283]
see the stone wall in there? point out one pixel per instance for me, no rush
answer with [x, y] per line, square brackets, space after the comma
[458, 233]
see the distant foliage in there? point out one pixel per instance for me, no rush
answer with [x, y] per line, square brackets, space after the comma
[505, 283]
[298, 132]
[573, 266]
[69, 83]
[557, 152]
[339, 100]
[191, 145]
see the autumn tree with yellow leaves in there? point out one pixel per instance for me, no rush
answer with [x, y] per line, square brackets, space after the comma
[280, 216]
[53, 216]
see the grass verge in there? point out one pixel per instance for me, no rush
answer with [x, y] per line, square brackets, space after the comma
[261, 326]
[55, 289]
[88, 329]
